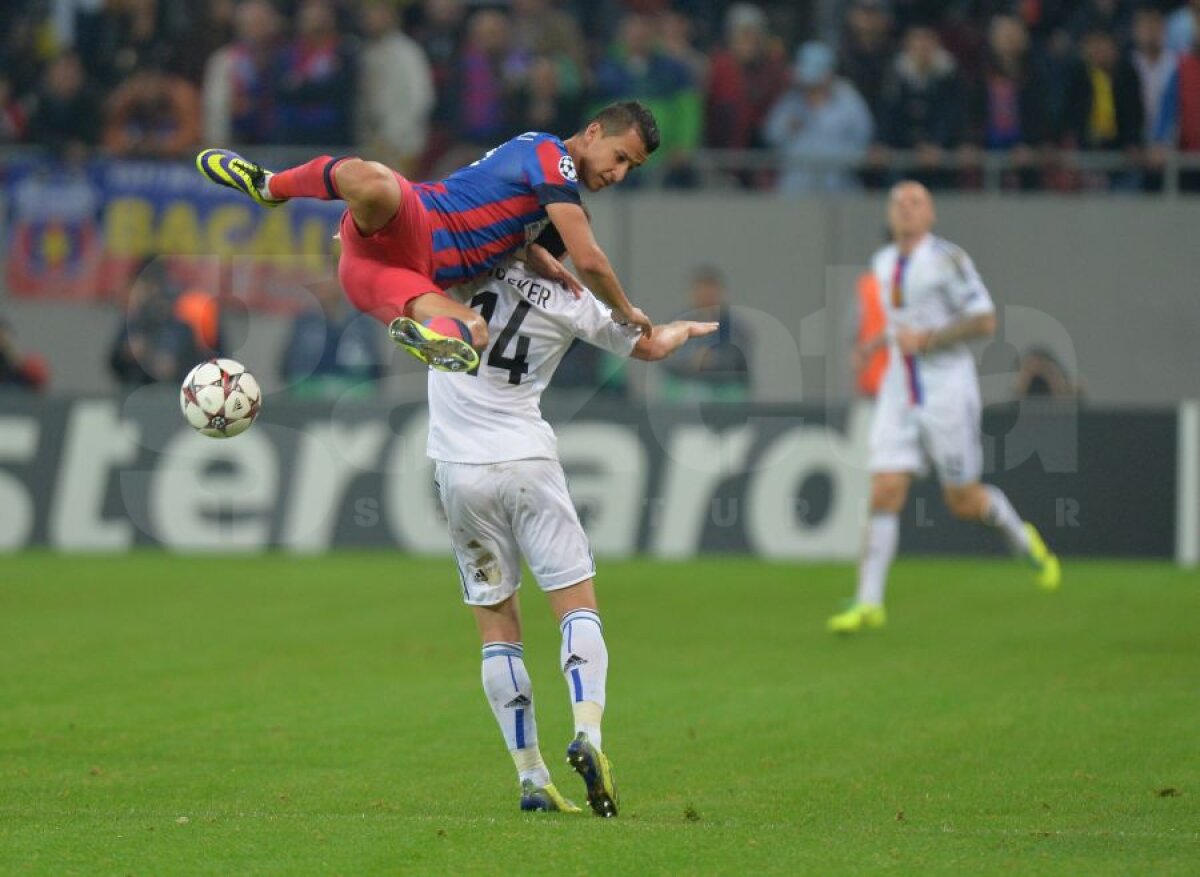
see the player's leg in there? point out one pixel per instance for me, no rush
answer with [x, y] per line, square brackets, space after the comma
[895, 454]
[371, 190]
[889, 491]
[449, 338]
[988, 505]
[420, 317]
[952, 433]
[555, 546]
[583, 654]
[584, 661]
[489, 570]
[509, 692]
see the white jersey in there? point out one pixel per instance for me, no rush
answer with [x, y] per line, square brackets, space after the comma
[494, 415]
[934, 287]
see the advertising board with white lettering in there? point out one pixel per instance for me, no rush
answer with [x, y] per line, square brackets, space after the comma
[784, 482]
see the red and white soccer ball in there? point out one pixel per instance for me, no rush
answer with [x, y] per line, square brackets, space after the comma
[219, 398]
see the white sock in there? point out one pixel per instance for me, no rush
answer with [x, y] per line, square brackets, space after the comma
[510, 695]
[265, 188]
[585, 667]
[879, 549]
[1003, 516]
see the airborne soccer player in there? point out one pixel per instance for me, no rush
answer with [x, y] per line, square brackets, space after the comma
[928, 407]
[405, 243]
[507, 498]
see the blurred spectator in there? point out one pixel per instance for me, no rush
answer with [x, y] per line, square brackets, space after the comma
[17, 371]
[153, 344]
[746, 79]
[869, 357]
[716, 367]
[541, 104]
[131, 35]
[315, 99]
[209, 27]
[1112, 16]
[867, 50]
[675, 33]
[823, 117]
[1189, 112]
[21, 49]
[153, 114]
[635, 68]
[922, 105]
[66, 115]
[1042, 375]
[14, 120]
[489, 73]
[1181, 27]
[1104, 102]
[542, 30]
[395, 92]
[333, 350]
[439, 32]
[586, 368]
[200, 310]
[1157, 68]
[240, 79]
[963, 33]
[1008, 109]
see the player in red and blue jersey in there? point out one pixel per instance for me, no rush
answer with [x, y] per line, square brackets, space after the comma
[404, 243]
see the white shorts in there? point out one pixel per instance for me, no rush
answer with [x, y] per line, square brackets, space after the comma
[944, 430]
[498, 512]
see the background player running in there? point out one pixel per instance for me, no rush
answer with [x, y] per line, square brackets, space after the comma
[404, 243]
[928, 405]
[507, 498]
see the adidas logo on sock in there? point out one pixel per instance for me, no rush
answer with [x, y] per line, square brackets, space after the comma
[574, 661]
[518, 701]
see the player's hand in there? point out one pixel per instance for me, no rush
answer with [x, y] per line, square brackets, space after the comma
[699, 330]
[912, 341]
[539, 259]
[637, 317]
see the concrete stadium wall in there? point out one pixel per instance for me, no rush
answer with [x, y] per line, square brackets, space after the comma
[1108, 283]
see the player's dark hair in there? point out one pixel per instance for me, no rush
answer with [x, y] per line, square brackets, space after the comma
[620, 117]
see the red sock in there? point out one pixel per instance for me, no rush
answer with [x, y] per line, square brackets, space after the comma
[450, 327]
[313, 179]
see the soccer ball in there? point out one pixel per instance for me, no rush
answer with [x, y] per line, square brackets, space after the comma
[219, 398]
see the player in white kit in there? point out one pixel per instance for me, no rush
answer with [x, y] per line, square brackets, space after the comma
[928, 407]
[505, 496]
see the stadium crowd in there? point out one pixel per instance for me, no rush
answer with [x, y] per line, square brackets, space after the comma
[425, 85]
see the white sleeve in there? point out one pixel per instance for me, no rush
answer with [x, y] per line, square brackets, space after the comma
[964, 287]
[595, 325]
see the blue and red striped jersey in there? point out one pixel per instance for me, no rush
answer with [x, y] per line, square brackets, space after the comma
[482, 213]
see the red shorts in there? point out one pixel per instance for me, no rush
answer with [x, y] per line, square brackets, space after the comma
[383, 272]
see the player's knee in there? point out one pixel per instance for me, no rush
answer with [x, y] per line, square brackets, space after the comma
[367, 183]
[888, 497]
[963, 505]
[478, 328]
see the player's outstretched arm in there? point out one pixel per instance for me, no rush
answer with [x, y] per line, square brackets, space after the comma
[592, 264]
[669, 338]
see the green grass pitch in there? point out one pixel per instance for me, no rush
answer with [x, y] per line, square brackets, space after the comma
[277, 715]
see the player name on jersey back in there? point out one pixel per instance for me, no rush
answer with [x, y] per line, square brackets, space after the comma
[493, 414]
[537, 291]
